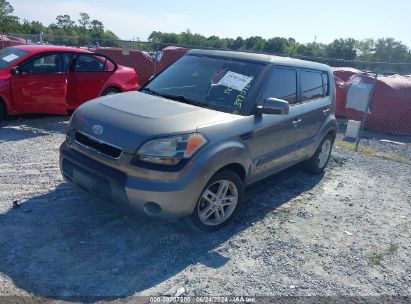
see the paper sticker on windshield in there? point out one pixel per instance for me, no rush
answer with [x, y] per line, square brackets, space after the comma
[10, 57]
[235, 81]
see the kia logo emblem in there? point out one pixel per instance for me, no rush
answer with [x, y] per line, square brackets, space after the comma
[97, 129]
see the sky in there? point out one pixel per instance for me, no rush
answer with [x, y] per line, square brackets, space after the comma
[323, 20]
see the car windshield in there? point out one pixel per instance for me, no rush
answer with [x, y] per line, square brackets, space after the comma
[215, 83]
[9, 56]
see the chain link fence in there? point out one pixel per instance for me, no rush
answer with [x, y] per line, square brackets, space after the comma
[373, 98]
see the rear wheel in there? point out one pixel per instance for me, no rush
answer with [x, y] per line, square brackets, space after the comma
[219, 202]
[110, 91]
[317, 163]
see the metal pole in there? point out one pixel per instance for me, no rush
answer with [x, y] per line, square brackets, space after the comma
[364, 118]
[157, 48]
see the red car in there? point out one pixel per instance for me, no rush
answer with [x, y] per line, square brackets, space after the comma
[54, 80]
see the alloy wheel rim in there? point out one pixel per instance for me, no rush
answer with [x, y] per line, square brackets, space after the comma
[217, 202]
[325, 153]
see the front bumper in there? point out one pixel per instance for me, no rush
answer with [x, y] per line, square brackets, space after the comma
[151, 197]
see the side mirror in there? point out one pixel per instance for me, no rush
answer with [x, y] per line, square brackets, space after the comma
[274, 106]
[15, 71]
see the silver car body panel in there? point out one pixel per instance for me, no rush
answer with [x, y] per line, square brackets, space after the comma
[259, 144]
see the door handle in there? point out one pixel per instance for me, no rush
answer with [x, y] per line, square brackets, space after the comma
[297, 122]
[326, 111]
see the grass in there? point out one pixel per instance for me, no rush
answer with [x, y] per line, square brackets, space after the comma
[372, 152]
[392, 248]
[375, 258]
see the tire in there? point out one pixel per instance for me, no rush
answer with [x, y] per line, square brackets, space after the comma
[218, 215]
[319, 161]
[110, 91]
[2, 112]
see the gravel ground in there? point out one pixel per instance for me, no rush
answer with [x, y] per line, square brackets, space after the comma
[344, 233]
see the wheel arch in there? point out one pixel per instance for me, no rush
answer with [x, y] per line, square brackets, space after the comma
[237, 168]
[111, 86]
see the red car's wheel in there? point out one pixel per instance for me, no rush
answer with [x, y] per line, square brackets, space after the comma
[110, 91]
[2, 111]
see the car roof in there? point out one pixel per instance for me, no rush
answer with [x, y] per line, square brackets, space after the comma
[264, 58]
[48, 48]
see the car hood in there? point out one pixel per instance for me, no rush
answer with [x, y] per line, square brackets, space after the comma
[130, 119]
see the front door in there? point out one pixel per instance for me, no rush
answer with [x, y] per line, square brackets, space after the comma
[276, 140]
[41, 84]
[87, 78]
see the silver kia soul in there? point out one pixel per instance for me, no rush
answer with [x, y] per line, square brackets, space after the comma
[189, 141]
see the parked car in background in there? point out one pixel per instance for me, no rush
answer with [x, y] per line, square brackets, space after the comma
[210, 124]
[55, 80]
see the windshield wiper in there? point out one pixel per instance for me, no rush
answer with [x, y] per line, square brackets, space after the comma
[184, 99]
[180, 98]
[150, 91]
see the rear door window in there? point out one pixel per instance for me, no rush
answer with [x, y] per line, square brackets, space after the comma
[282, 84]
[93, 63]
[311, 85]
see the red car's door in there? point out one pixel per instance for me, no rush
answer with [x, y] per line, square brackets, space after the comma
[87, 77]
[40, 86]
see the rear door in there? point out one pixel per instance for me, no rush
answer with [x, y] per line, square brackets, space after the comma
[276, 138]
[41, 85]
[87, 77]
[316, 101]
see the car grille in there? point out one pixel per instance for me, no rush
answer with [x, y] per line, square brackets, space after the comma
[101, 147]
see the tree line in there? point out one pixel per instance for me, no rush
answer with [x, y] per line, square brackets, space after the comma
[66, 31]
[384, 49]
[85, 30]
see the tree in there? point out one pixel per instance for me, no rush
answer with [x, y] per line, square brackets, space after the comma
[312, 49]
[238, 43]
[366, 49]
[33, 27]
[342, 49]
[84, 21]
[97, 26]
[64, 22]
[254, 43]
[6, 9]
[387, 49]
[276, 45]
[8, 23]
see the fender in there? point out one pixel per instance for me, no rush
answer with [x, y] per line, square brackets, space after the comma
[330, 125]
[5, 96]
[223, 154]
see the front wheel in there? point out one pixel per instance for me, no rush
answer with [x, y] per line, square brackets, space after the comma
[317, 163]
[219, 202]
[2, 112]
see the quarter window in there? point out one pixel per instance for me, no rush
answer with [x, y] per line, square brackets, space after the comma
[325, 84]
[282, 84]
[311, 85]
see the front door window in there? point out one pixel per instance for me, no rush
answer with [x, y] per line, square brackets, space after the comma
[47, 64]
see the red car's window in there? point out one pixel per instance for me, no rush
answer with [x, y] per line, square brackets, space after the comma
[9, 56]
[47, 64]
[93, 63]
[109, 66]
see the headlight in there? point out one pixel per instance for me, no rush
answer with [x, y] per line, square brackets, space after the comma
[171, 150]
